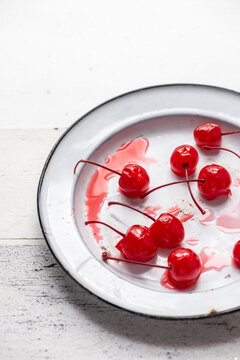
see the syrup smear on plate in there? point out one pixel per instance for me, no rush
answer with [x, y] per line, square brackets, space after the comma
[131, 152]
[186, 217]
[236, 182]
[175, 210]
[228, 219]
[208, 218]
[213, 261]
[151, 210]
[192, 241]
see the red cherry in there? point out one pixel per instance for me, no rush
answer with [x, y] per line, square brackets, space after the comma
[183, 270]
[217, 181]
[209, 137]
[185, 267]
[213, 180]
[137, 244]
[184, 156]
[133, 182]
[236, 254]
[183, 162]
[208, 134]
[167, 230]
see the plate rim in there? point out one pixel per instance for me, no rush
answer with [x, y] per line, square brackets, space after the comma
[44, 169]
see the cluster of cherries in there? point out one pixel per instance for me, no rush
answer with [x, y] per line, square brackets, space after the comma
[140, 243]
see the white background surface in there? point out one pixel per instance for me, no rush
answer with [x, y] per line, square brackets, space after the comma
[58, 60]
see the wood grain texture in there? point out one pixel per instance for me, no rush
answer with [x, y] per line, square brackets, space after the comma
[46, 315]
[23, 154]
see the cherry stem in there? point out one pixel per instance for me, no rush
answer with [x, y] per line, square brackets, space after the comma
[220, 148]
[230, 132]
[190, 191]
[172, 183]
[106, 257]
[102, 223]
[93, 163]
[130, 207]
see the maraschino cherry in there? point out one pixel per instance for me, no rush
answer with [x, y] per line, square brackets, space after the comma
[137, 244]
[209, 137]
[184, 157]
[133, 182]
[183, 270]
[185, 267]
[236, 254]
[213, 180]
[167, 230]
[184, 160]
[217, 181]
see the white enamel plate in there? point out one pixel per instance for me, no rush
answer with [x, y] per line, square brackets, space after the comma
[163, 117]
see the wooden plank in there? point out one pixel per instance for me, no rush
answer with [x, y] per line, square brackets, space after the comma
[45, 315]
[23, 153]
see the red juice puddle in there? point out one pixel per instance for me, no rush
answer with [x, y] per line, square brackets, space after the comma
[175, 210]
[213, 261]
[166, 281]
[236, 182]
[186, 217]
[133, 151]
[228, 220]
[192, 241]
[208, 218]
[151, 210]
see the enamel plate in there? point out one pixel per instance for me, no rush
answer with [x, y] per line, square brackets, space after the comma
[147, 125]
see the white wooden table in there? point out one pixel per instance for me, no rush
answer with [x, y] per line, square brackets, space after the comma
[59, 58]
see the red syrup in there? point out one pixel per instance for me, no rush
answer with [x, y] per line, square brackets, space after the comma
[236, 182]
[186, 217]
[175, 210]
[208, 218]
[213, 261]
[166, 281]
[228, 220]
[151, 210]
[133, 151]
[192, 241]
